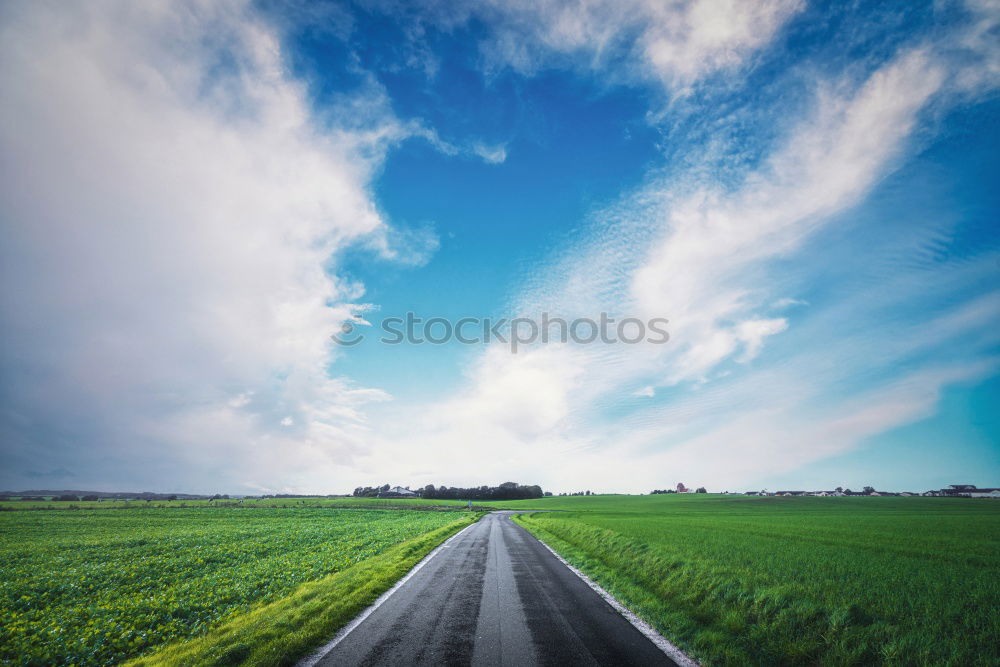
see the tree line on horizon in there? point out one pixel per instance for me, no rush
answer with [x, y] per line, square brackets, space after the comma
[505, 491]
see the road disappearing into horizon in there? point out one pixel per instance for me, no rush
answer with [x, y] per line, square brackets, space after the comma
[493, 595]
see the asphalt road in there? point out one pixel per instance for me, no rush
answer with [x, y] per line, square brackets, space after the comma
[494, 596]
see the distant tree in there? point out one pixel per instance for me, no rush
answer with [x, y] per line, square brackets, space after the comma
[847, 492]
[869, 489]
[67, 498]
[172, 497]
[547, 494]
[700, 489]
[91, 498]
[839, 490]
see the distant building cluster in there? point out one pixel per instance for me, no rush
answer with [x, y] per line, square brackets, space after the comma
[398, 492]
[965, 491]
[680, 488]
[953, 490]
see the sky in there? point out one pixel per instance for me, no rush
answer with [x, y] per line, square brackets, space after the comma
[195, 196]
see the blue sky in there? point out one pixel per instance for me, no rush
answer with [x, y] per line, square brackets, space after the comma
[195, 197]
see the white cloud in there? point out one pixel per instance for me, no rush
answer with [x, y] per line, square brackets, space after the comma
[673, 43]
[488, 153]
[980, 42]
[700, 272]
[168, 208]
[788, 302]
[753, 332]
[495, 154]
[169, 211]
[703, 255]
[783, 436]
[524, 395]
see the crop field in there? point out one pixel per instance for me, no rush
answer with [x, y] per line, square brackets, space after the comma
[319, 501]
[93, 587]
[794, 581]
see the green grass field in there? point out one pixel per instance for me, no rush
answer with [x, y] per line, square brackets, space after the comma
[732, 580]
[794, 581]
[320, 501]
[93, 587]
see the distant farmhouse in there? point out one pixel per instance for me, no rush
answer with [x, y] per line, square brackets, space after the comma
[965, 491]
[953, 490]
[397, 492]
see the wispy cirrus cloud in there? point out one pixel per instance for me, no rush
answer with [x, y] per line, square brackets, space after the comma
[705, 255]
[698, 271]
[672, 43]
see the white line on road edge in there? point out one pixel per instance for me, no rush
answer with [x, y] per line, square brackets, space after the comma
[359, 619]
[642, 626]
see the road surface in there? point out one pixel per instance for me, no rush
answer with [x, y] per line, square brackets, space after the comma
[494, 596]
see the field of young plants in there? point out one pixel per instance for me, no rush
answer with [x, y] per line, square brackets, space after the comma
[318, 501]
[794, 581]
[93, 587]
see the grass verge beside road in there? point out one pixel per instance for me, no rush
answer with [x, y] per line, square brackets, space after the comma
[796, 581]
[284, 631]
